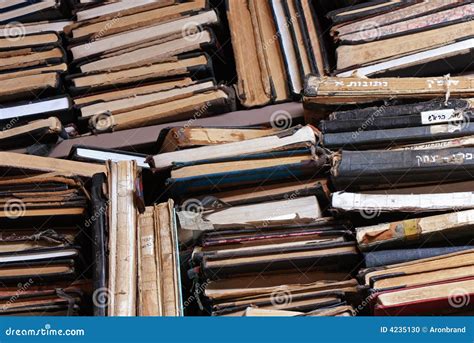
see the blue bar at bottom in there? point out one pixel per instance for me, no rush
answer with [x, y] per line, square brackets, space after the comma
[209, 330]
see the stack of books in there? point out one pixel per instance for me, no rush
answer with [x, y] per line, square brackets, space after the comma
[143, 63]
[252, 216]
[413, 213]
[419, 125]
[285, 256]
[403, 38]
[401, 173]
[31, 11]
[32, 62]
[277, 156]
[185, 206]
[423, 281]
[45, 247]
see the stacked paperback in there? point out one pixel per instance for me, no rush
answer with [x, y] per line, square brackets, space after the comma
[403, 38]
[32, 60]
[401, 171]
[144, 63]
[254, 223]
[46, 261]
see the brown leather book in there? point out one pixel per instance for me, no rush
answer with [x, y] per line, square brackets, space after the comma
[204, 103]
[354, 90]
[10, 160]
[253, 78]
[159, 278]
[29, 86]
[25, 59]
[149, 277]
[89, 29]
[178, 138]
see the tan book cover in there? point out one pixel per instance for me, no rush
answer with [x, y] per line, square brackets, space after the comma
[122, 239]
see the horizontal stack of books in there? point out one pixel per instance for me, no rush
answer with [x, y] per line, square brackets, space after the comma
[32, 90]
[144, 63]
[45, 245]
[301, 265]
[34, 106]
[432, 281]
[254, 222]
[400, 172]
[403, 38]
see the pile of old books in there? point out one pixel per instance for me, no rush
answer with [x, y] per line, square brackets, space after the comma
[401, 171]
[422, 263]
[276, 43]
[32, 62]
[366, 208]
[404, 38]
[141, 63]
[252, 214]
[46, 257]
[31, 11]
[34, 106]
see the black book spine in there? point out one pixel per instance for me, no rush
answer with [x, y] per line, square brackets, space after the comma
[390, 137]
[399, 110]
[98, 220]
[398, 167]
[387, 257]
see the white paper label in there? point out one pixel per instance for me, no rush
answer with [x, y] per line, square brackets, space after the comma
[440, 116]
[147, 245]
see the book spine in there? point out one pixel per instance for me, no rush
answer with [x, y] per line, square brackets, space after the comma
[387, 257]
[99, 209]
[413, 230]
[399, 110]
[370, 124]
[148, 302]
[123, 243]
[166, 260]
[386, 138]
[366, 163]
